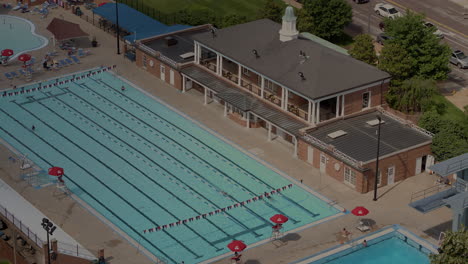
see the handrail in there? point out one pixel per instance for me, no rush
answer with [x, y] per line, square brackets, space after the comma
[74, 250]
[403, 121]
[461, 185]
[441, 238]
[424, 192]
[23, 228]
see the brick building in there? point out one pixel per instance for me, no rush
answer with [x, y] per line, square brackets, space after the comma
[269, 75]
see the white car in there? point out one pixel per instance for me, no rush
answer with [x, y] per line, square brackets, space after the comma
[387, 10]
[437, 32]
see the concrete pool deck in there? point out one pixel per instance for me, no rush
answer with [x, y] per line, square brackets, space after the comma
[391, 208]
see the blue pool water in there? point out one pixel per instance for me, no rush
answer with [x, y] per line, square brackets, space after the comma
[392, 248]
[19, 35]
[142, 165]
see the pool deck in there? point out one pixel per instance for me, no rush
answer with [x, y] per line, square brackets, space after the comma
[391, 208]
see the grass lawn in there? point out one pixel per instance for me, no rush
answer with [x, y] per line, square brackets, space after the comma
[248, 8]
[452, 112]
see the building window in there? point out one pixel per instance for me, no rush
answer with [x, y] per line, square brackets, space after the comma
[144, 61]
[350, 176]
[245, 71]
[379, 178]
[271, 87]
[365, 100]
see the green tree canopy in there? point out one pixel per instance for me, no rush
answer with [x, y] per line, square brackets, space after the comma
[427, 56]
[363, 49]
[450, 141]
[454, 248]
[273, 10]
[396, 61]
[231, 20]
[431, 121]
[414, 95]
[324, 18]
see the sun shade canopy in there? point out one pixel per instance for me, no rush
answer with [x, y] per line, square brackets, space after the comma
[63, 30]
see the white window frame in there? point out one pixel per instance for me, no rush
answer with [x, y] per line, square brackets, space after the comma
[349, 176]
[144, 59]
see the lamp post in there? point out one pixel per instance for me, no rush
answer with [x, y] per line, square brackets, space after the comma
[49, 228]
[377, 161]
[118, 27]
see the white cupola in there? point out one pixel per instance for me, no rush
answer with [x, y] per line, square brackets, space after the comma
[288, 30]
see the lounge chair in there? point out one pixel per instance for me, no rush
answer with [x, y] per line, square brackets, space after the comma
[8, 75]
[17, 7]
[363, 227]
[23, 72]
[75, 59]
[63, 63]
[82, 52]
[30, 70]
[69, 61]
[14, 74]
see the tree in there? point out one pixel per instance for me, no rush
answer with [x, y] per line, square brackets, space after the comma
[412, 96]
[450, 141]
[453, 249]
[431, 121]
[231, 20]
[324, 18]
[363, 49]
[428, 57]
[273, 10]
[396, 61]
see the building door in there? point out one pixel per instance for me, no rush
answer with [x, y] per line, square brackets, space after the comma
[418, 165]
[188, 84]
[323, 162]
[171, 77]
[429, 161]
[310, 155]
[391, 175]
[163, 73]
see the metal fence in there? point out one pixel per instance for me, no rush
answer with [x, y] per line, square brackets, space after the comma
[74, 250]
[24, 229]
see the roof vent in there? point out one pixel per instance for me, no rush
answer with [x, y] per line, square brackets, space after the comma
[255, 52]
[337, 134]
[170, 41]
[374, 122]
[187, 55]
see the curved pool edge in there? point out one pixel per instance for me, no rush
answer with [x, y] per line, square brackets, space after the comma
[33, 31]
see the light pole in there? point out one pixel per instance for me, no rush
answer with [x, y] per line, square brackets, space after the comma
[377, 161]
[49, 228]
[118, 27]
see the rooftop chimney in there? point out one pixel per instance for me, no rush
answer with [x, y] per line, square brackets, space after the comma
[288, 30]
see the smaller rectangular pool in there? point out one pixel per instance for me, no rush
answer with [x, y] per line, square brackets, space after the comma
[388, 246]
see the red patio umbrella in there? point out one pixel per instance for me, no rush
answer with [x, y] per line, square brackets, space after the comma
[56, 171]
[7, 52]
[101, 4]
[237, 246]
[24, 57]
[279, 219]
[360, 211]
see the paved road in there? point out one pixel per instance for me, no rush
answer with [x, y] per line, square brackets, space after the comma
[448, 16]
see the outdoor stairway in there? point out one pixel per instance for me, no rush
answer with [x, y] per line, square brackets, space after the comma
[432, 202]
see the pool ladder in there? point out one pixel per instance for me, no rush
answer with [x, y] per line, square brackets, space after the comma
[441, 238]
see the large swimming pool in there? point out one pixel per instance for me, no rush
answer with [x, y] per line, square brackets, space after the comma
[142, 165]
[19, 35]
[393, 245]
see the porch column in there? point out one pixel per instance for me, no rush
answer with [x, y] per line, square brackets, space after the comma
[295, 147]
[225, 108]
[317, 118]
[337, 106]
[183, 83]
[342, 105]
[197, 53]
[248, 119]
[312, 117]
[269, 131]
[217, 63]
[285, 98]
[239, 75]
[221, 65]
[309, 111]
[262, 88]
[206, 96]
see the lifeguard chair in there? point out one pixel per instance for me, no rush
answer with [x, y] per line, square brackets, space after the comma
[276, 232]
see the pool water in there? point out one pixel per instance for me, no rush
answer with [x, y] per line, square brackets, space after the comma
[19, 35]
[142, 165]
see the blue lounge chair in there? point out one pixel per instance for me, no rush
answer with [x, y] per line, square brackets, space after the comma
[30, 70]
[82, 52]
[75, 59]
[8, 75]
[14, 74]
[70, 62]
[63, 63]
[23, 72]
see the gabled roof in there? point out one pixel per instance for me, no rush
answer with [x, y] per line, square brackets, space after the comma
[326, 71]
[63, 30]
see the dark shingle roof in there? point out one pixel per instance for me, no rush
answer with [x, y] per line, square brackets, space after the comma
[326, 71]
[360, 142]
[244, 101]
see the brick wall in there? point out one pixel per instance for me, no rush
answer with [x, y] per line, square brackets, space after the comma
[155, 70]
[353, 101]
[7, 253]
[62, 258]
[239, 120]
[404, 162]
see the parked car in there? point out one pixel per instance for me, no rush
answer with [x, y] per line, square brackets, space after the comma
[381, 38]
[387, 10]
[361, 1]
[459, 58]
[437, 32]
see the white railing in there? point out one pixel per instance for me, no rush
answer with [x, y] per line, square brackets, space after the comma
[74, 250]
[336, 152]
[147, 49]
[403, 121]
[24, 229]
[167, 60]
